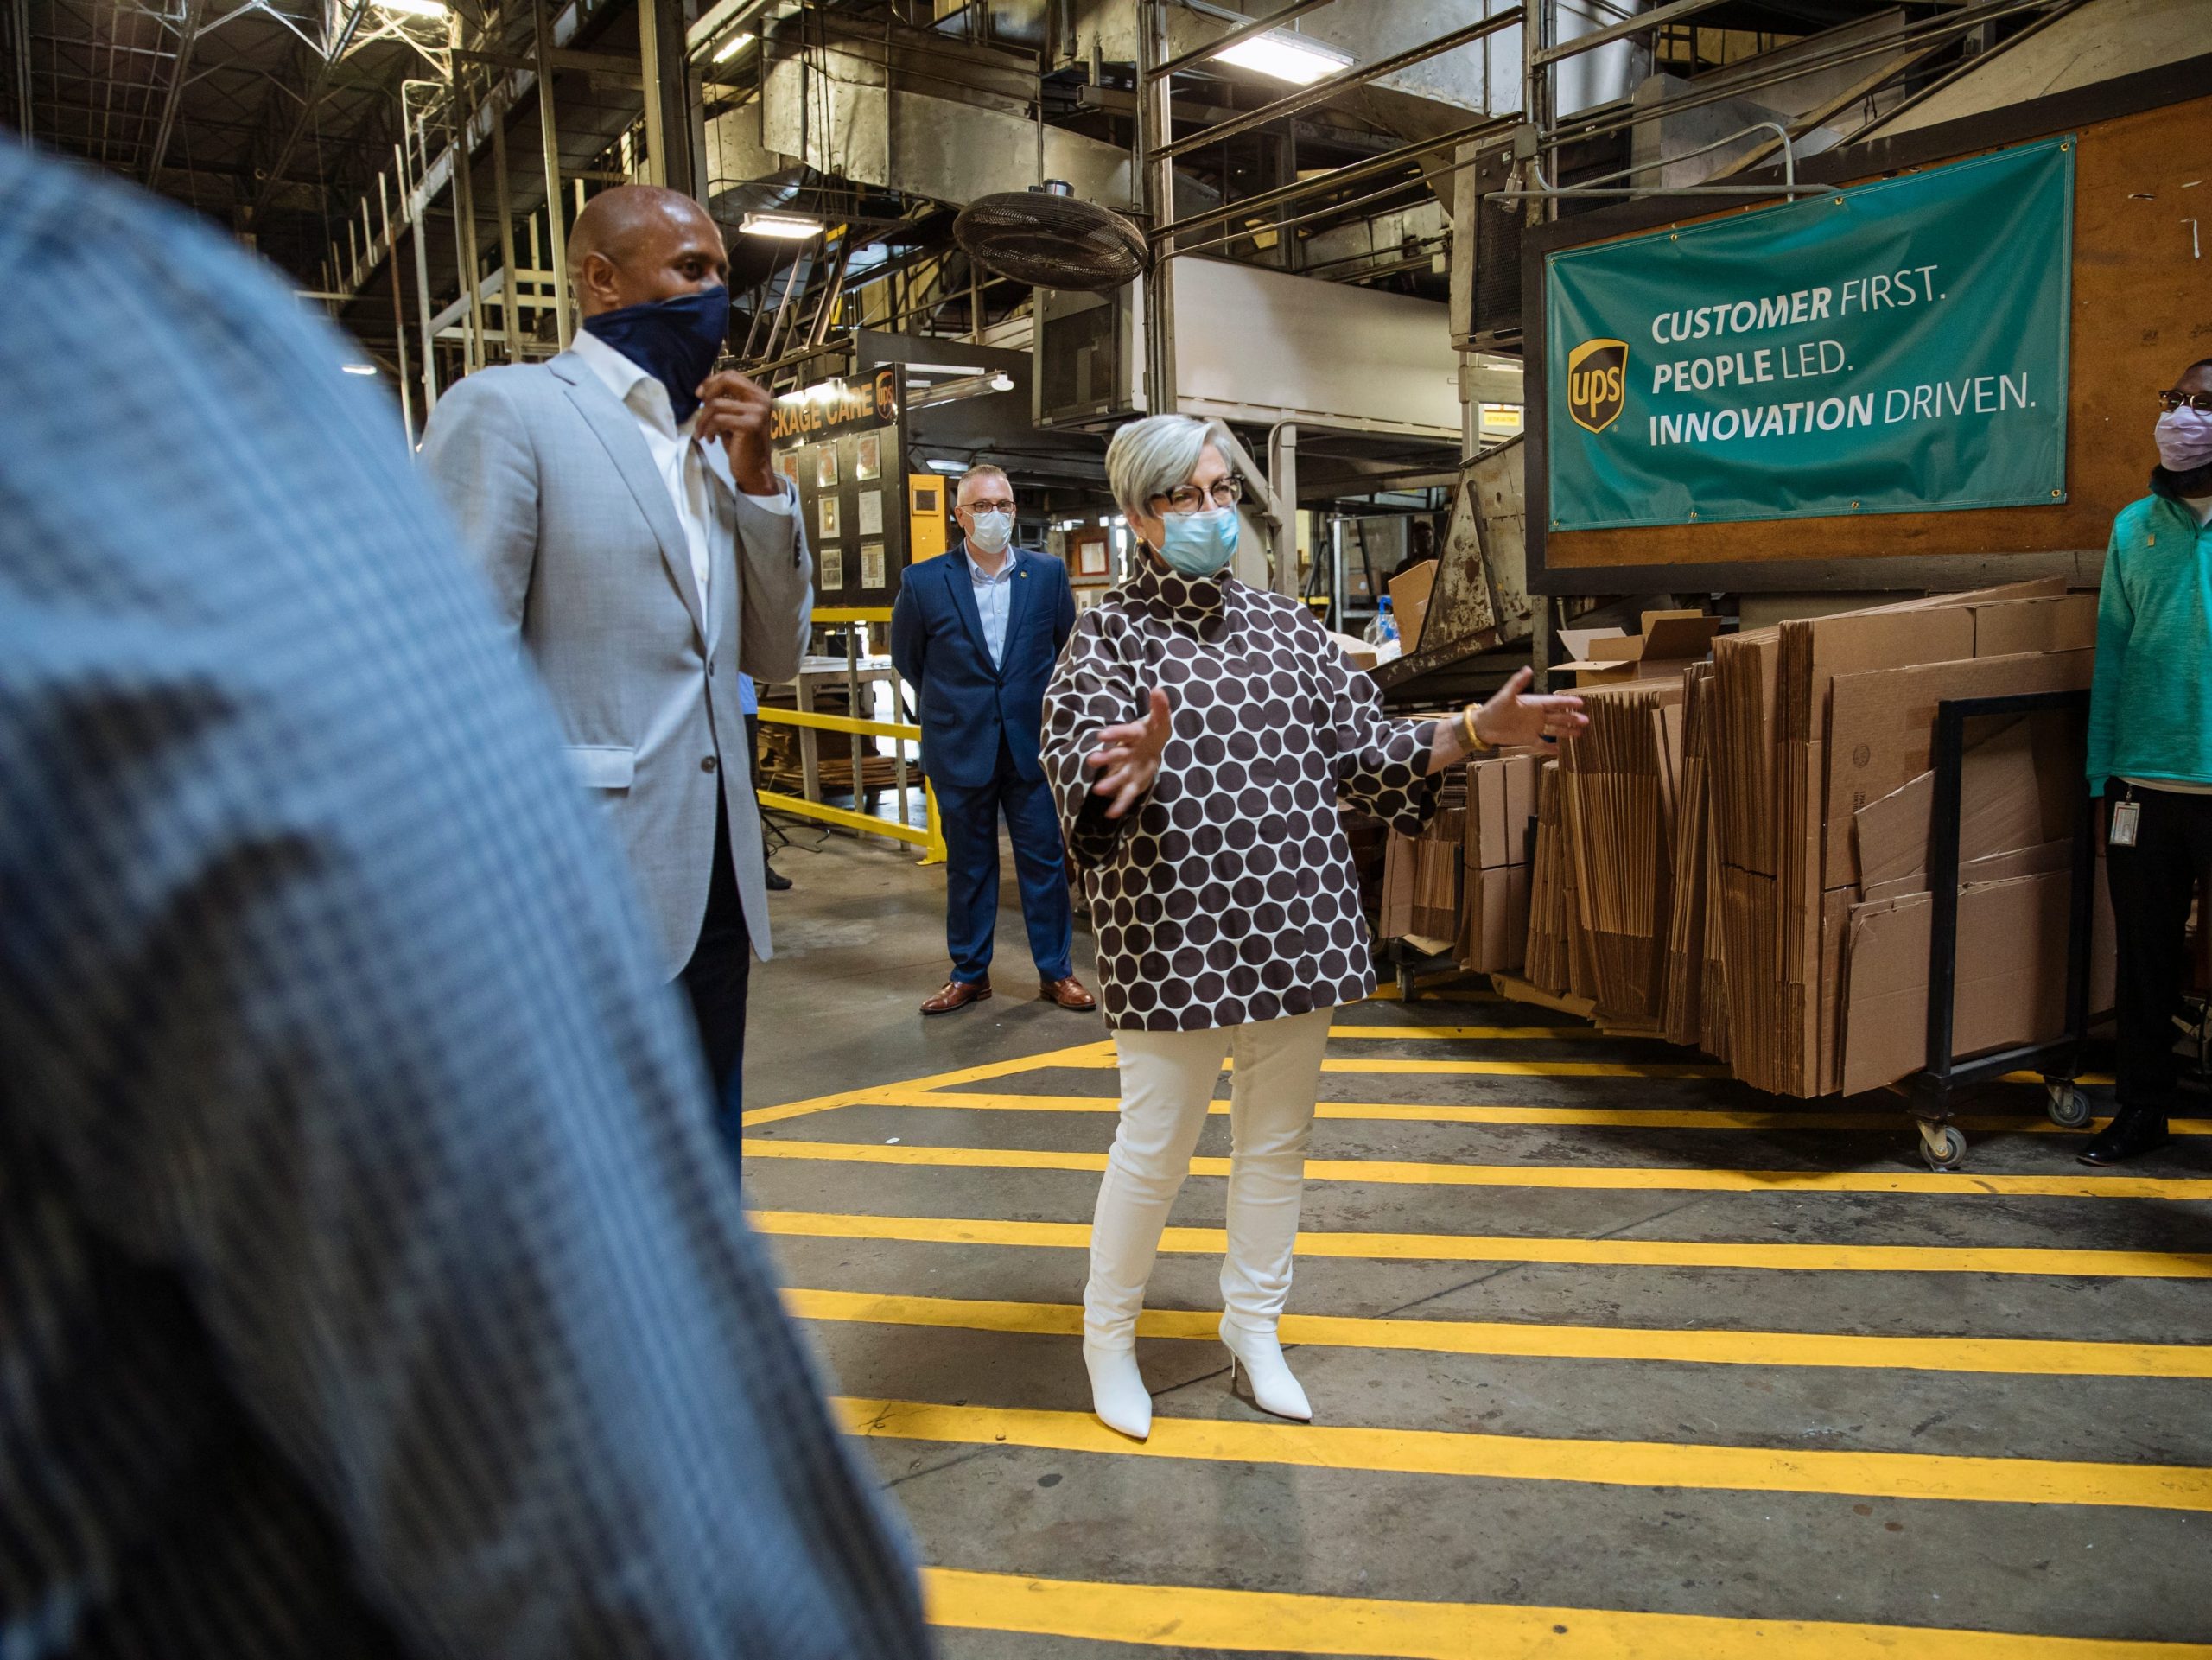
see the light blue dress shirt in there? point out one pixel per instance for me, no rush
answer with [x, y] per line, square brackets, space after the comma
[994, 598]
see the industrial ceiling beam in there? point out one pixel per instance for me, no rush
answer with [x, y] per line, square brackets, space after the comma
[1321, 91]
[318, 80]
[1338, 178]
[1258, 26]
[1642, 22]
[196, 13]
[21, 11]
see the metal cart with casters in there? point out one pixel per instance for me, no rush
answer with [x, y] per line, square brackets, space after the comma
[1930, 1094]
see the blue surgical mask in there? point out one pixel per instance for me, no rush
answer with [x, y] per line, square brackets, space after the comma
[992, 532]
[1199, 545]
[675, 340]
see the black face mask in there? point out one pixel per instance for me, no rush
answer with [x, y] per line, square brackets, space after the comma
[676, 342]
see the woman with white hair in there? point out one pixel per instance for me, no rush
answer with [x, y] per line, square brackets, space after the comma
[1199, 734]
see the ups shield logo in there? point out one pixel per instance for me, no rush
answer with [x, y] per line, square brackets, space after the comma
[1596, 379]
[886, 394]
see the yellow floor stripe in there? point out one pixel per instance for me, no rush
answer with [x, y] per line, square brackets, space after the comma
[1494, 1248]
[1099, 1053]
[1198, 1618]
[1105, 1062]
[2021, 1123]
[2016, 1357]
[1530, 1458]
[1527, 1175]
[1490, 1033]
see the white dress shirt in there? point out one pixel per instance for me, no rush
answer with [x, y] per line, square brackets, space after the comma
[994, 602]
[677, 457]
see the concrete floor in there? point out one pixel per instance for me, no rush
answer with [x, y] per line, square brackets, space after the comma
[1893, 1413]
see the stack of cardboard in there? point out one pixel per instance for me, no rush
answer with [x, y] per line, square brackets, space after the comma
[1619, 782]
[1695, 1010]
[1500, 804]
[1549, 892]
[2020, 793]
[1814, 719]
[1423, 876]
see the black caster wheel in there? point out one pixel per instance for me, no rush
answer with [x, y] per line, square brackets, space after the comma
[1943, 1147]
[2068, 1106]
[1408, 990]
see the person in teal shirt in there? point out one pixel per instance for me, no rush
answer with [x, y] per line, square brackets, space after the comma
[2150, 752]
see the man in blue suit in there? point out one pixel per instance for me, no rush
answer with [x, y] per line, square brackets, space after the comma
[976, 632]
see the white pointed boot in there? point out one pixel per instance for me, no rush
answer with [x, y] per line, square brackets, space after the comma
[1117, 1392]
[1132, 1207]
[1267, 1376]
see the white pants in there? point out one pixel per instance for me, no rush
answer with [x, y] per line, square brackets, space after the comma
[1167, 1080]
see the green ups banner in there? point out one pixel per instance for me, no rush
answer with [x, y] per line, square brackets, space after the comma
[1888, 349]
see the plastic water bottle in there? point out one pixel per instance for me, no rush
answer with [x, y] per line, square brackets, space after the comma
[1383, 633]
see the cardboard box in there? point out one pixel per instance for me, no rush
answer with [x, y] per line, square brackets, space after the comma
[1357, 652]
[1882, 726]
[2009, 627]
[2011, 986]
[1409, 591]
[1497, 938]
[1667, 643]
[2019, 788]
[1502, 799]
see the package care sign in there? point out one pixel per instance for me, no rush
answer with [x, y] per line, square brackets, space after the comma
[1895, 347]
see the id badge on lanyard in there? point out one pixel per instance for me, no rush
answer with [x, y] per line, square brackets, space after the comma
[2124, 817]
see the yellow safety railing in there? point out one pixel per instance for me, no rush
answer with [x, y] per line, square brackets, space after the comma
[929, 839]
[852, 613]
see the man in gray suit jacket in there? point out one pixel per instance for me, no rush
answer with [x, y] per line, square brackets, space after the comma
[622, 501]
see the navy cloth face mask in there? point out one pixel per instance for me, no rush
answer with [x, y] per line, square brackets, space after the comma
[676, 342]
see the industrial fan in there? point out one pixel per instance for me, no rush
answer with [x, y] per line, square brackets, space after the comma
[1048, 237]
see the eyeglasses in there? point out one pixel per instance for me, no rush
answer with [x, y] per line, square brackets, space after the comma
[2201, 402]
[1189, 499]
[999, 506]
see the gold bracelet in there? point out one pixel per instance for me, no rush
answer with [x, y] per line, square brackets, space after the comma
[1476, 746]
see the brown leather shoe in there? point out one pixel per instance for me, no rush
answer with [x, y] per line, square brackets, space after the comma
[1068, 994]
[957, 993]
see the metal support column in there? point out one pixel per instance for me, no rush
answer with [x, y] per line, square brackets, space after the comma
[461, 120]
[1282, 479]
[510, 303]
[398, 309]
[675, 129]
[421, 210]
[1155, 128]
[549, 135]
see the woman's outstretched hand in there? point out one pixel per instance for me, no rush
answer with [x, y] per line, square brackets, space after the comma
[1127, 756]
[1511, 718]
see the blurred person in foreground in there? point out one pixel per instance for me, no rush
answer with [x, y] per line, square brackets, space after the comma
[370, 1285]
[623, 501]
[976, 632]
[1200, 734]
[2150, 752]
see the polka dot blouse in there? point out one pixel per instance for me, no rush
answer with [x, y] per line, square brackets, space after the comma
[1226, 894]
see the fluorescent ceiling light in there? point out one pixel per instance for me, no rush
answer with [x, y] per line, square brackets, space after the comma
[359, 368]
[730, 47]
[414, 8]
[783, 224]
[1297, 59]
[946, 466]
[944, 369]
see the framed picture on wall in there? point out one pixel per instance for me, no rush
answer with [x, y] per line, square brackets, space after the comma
[867, 456]
[825, 464]
[871, 564]
[787, 464]
[831, 562]
[828, 516]
[1090, 556]
[871, 513]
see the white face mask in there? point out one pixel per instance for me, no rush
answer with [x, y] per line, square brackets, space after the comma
[990, 532]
